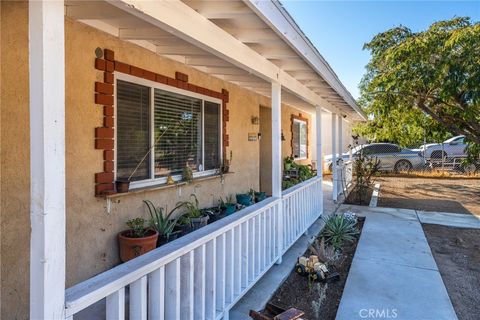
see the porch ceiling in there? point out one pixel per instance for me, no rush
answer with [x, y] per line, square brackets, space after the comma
[262, 29]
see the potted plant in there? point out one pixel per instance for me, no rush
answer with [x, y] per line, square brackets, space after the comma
[187, 174]
[197, 218]
[137, 240]
[288, 162]
[163, 224]
[214, 213]
[183, 225]
[229, 206]
[259, 196]
[245, 199]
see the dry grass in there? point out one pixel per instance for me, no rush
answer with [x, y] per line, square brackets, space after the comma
[433, 174]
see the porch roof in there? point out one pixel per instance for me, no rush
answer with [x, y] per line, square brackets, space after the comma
[249, 43]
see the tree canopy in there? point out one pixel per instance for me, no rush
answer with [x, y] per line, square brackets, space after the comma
[428, 80]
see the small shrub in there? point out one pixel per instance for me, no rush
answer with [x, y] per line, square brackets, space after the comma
[339, 229]
[137, 227]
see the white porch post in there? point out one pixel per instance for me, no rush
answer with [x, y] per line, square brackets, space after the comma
[340, 172]
[318, 128]
[277, 158]
[334, 156]
[47, 159]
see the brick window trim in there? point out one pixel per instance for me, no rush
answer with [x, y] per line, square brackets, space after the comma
[301, 118]
[104, 96]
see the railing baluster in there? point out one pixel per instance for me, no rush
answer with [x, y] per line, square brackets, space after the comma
[138, 299]
[251, 249]
[211, 280]
[156, 294]
[237, 264]
[172, 297]
[199, 282]
[258, 245]
[186, 285]
[116, 305]
[220, 299]
[245, 257]
[229, 265]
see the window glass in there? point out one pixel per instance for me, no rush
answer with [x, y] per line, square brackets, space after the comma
[299, 139]
[133, 130]
[177, 121]
[212, 135]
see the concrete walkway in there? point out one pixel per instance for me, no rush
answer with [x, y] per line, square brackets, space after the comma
[258, 296]
[393, 273]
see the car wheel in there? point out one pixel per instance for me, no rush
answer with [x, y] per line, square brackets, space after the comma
[403, 166]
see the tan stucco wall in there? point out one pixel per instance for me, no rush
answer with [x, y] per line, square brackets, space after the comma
[15, 184]
[91, 230]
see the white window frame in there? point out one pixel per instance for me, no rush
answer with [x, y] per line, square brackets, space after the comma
[155, 85]
[305, 122]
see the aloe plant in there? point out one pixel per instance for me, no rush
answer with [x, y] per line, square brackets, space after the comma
[338, 229]
[161, 222]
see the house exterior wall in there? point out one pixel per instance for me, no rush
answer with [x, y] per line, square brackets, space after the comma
[91, 228]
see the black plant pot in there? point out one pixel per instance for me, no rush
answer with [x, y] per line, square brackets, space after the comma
[173, 236]
[198, 223]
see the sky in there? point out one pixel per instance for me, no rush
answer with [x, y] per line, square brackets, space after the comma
[339, 29]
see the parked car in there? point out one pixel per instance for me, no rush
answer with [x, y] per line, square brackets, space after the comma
[451, 148]
[391, 156]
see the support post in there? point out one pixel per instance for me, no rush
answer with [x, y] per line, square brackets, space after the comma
[47, 159]
[277, 159]
[340, 172]
[319, 151]
[334, 157]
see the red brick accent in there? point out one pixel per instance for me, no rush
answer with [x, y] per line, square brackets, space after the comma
[108, 155]
[107, 110]
[181, 76]
[108, 122]
[226, 95]
[109, 66]
[104, 188]
[161, 79]
[137, 72]
[103, 133]
[109, 55]
[104, 144]
[100, 64]
[105, 88]
[172, 82]
[122, 67]
[108, 77]
[104, 99]
[149, 75]
[104, 177]
[108, 166]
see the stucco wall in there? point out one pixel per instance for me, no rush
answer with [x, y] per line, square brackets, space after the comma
[15, 184]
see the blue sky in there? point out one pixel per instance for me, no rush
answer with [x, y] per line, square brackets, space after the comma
[340, 28]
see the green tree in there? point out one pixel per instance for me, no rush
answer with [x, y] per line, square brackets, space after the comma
[423, 78]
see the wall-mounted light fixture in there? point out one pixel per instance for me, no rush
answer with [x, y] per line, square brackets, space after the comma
[255, 120]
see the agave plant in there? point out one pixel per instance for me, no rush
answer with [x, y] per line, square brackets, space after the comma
[338, 229]
[161, 222]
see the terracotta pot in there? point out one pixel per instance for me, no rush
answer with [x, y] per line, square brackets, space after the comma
[133, 247]
[122, 186]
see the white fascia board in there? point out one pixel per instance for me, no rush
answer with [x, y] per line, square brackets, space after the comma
[182, 21]
[274, 14]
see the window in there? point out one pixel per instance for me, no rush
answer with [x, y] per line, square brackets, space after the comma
[161, 131]
[299, 138]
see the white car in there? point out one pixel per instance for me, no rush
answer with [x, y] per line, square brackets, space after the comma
[451, 148]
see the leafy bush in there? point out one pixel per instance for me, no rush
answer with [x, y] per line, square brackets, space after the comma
[338, 229]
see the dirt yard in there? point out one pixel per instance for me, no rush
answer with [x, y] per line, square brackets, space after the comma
[431, 194]
[317, 300]
[457, 253]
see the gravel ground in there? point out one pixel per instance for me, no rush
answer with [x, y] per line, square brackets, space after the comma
[457, 253]
[431, 194]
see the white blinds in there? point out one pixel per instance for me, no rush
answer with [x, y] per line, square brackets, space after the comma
[179, 118]
[212, 135]
[133, 130]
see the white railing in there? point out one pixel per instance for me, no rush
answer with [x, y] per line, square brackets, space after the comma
[203, 274]
[344, 176]
[302, 205]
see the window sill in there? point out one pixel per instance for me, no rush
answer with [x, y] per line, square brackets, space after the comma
[164, 186]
